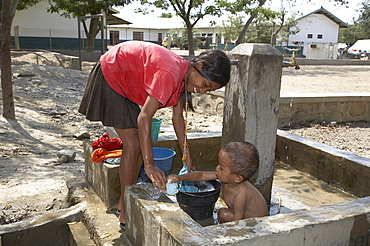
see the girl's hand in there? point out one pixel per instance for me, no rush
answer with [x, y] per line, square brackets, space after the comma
[157, 177]
[189, 162]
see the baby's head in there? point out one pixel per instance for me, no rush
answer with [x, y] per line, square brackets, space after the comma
[244, 158]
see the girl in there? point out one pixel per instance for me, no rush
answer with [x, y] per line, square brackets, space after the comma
[137, 73]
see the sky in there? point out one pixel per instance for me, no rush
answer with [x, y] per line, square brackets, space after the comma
[303, 7]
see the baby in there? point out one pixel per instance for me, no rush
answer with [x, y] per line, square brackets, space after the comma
[238, 162]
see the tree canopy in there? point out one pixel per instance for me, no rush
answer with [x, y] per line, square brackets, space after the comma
[360, 28]
[190, 11]
[72, 8]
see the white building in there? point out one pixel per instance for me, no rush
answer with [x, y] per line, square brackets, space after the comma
[318, 35]
[35, 28]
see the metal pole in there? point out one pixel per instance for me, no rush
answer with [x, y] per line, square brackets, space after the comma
[102, 33]
[16, 37]
[79, 43]
[51, 43]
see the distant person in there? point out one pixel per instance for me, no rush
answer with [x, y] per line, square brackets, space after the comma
[238, 162]
[133, 74]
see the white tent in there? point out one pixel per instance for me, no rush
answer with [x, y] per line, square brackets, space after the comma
[360, 47]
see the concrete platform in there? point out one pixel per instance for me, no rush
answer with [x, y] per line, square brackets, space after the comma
[156, 220]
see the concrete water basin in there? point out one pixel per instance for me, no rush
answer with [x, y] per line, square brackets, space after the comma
[311, 211]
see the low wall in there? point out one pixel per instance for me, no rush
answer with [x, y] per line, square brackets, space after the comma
[296, 108]
[339, 168]
[49, 229]
[349, 107]
[155, 220]
[338, 62]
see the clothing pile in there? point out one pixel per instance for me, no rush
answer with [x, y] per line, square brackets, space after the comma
[107, 149]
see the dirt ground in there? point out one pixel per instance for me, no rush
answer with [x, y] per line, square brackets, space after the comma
[33, 179]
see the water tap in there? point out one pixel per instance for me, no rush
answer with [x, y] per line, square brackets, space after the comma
[292, 62]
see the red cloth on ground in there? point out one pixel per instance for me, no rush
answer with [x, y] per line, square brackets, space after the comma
[107, 143]
[101, 154]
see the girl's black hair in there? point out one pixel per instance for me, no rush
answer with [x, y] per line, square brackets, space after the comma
[216, 67]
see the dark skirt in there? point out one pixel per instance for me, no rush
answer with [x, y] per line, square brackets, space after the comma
[101, 103]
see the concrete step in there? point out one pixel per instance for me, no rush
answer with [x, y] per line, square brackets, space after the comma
[102, 226]
[80, 234]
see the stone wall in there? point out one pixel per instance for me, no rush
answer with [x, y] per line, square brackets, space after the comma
[296, 108]
[331, 107]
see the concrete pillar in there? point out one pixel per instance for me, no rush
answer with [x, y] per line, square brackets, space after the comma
[251, 105]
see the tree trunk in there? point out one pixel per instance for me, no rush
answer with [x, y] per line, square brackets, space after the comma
[91, 34]
[7, 15]
[244, 30]
[245, 27]
[276, 32]
[189, 29]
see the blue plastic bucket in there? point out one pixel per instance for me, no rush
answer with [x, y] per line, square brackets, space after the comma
[163, 159]
[156, 124]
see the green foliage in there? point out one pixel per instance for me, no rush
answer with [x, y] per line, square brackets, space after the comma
[76, 8]
[249, 7]
[231, 28]
[190, 11]
[289, 28]
[23, 4]
[180, 38]
[260, 30]
[360, 28]
[166, 15]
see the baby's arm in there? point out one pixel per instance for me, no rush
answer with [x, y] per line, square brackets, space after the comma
[193, 176]
[239, 208]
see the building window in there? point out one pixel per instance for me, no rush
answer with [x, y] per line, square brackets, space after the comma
[160, 39]
[310, 35]
[319, 36]
[113, 37]
[138, 36]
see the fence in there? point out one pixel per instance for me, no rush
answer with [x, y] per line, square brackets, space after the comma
[41, 38]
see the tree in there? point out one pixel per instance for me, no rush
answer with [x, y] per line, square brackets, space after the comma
[8, 8]
[360, 28]
[277, 27]
[253, 8]
[261, 30]
[231, 28]
[180, 38]
[249, 7]
[72, 8]
[190, 11]
[283, 27]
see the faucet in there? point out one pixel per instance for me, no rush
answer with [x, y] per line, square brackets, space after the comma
[292, 62]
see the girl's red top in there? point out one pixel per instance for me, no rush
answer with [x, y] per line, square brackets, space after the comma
[136, 69]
